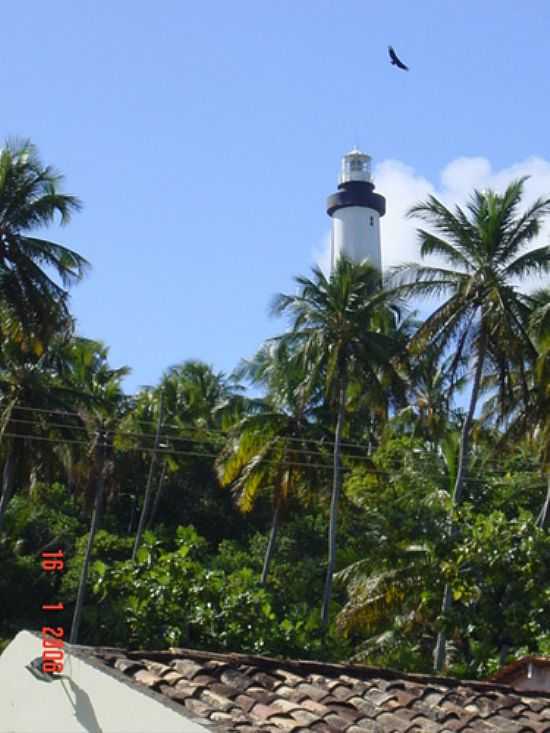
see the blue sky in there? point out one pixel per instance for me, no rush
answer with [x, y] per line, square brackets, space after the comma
[203, 139]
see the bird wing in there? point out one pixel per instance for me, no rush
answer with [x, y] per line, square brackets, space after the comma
[396, 60]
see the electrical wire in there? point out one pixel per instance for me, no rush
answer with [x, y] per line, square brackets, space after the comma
[182, 428]
[168, 451]
[223, 434]
[170, 436]
[176, 451]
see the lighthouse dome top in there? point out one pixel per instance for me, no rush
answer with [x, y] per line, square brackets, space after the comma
[356, 166]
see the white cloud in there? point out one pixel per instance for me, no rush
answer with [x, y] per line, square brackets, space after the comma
[321, 253]
[402, 187]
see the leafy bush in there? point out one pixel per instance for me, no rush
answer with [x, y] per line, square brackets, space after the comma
[178, 598]
[34, 520]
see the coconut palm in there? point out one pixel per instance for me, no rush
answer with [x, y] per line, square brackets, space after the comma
[339, 328]
[29, 394]
[432, 383]
[198, 397]
[369, 408]
[540, 328]
[32, 304]
[94, 389]
[272, 449]
[102, 405]
[381, 600]
[528, 417]
[140, 432]
[197, 403]
[483, 316]
[155, 400]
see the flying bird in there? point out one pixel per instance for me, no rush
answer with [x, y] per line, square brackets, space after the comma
[395, 59]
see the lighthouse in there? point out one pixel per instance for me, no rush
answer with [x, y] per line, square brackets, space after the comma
[355, 211]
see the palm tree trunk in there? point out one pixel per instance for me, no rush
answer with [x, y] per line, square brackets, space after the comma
[132, 514]
[157, 496]
[336, 488]
[440, 647]
[148, 488]
[89, 546]
[545, 511]
[271, 543]
[8, 476]
[466, 428]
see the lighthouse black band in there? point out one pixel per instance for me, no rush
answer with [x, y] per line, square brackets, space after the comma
[356, 193]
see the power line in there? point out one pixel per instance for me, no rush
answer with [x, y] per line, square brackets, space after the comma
[64, 426]
[182, 428]
[165, 436]
[216, 433]
[179, 451]
[169, 451]
[161, 451]
[219, 434]
[170, 437]
[45, 440]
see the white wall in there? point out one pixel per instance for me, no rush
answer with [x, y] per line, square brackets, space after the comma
[356, 233]
[84, 700]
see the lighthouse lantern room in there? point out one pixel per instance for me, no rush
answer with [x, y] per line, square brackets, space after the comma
[355, 211]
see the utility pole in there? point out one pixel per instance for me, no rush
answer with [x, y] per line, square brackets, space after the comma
[148, 489]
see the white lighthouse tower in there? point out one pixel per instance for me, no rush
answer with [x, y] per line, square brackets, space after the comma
[355, 211]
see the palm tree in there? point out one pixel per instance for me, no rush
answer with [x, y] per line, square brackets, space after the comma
[29, 395]
[540, 328]
[102, 405]
[32, 304]
[198, 397]
[139, 431]
[95, 392]
[370, 408]
[197, 403]
[528, 417]
[339, 328]
[272, 448]
[149, 486]
[484, 316]
[432, 382]
[383, 600]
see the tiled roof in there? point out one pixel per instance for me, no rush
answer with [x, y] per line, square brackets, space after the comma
[245, 694]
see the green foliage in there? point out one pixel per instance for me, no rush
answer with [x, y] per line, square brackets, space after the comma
[184, 590]
[497, 563]
[107, 548]
[48, 513]
[32, 304]
[403, 492]
[499, 573]
[180, 597]
[296, 575]
[23, 588]
[354, 396]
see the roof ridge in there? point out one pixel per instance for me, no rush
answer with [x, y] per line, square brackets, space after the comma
[313, 666]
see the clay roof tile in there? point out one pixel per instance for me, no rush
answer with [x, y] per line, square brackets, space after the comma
[237, 693]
